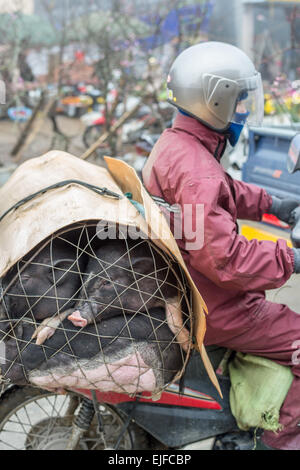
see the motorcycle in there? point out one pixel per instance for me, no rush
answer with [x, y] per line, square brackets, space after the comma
[142, 120]
[189, 415]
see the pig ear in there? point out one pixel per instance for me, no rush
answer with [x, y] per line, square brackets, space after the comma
[66, 260]
[63, 263]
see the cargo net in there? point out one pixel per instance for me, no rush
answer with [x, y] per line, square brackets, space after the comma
[83, 312]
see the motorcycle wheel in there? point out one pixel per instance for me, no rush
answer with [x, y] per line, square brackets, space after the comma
[35, 419]
[91, 134]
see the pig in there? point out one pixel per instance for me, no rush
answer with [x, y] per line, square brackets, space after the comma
[125, 353]
[126, 275]
[45, 282]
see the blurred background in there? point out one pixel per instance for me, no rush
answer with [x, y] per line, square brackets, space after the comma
[70, 70]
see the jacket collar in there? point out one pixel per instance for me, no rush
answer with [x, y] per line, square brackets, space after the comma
[212, 140]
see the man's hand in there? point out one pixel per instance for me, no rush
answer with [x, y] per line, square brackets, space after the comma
[283, 208]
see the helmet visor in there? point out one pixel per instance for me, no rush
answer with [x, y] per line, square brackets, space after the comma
[250, 103]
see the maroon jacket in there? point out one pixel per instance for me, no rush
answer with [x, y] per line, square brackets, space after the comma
[230, 271]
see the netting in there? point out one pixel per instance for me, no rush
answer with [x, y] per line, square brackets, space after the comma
[82, 311]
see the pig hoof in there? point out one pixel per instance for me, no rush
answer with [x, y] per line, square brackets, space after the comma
[45, 333]
[48, 327]
[77, 319]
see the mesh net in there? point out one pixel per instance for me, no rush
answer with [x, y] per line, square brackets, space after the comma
[82, 311]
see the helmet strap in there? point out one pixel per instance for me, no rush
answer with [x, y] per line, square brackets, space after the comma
[184, 113]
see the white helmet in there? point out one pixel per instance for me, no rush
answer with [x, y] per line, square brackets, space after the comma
[209, 79]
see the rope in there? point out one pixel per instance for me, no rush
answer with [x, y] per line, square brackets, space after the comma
[82, 239]
[96, 189]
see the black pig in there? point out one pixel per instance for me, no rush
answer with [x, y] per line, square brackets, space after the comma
[126, 276]
[128, 354]
[43, 287]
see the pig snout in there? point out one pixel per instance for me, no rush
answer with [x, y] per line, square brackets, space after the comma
[77, 319]
[84, 314]
[129, 277]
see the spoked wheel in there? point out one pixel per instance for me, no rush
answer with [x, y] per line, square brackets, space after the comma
[91, 134]
[33, 419]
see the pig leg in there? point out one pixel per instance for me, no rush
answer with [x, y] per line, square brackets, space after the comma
[47, 328]
[175, 323]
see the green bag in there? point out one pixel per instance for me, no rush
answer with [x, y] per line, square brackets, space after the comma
[258, 389]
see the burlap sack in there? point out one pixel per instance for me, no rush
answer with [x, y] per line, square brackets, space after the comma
[24, 227]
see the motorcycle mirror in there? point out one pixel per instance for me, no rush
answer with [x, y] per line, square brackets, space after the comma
[293, 158]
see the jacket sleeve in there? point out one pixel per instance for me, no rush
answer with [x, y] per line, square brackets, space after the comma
[251, 200]
[217, 250]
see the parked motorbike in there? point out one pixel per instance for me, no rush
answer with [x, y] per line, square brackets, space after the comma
[143, 120]
[190, 415]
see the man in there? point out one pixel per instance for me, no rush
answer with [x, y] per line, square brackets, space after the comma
[216, 89]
